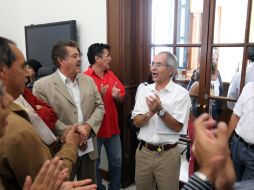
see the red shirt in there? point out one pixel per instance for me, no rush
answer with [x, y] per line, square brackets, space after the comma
[109, 125]
[46, 112]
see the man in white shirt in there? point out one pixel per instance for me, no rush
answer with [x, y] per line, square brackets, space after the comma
[234, 87]
[161, 111]
[241, 125]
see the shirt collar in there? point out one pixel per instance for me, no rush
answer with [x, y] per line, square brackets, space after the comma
[169, 87]
[65, 79]
[92, 72]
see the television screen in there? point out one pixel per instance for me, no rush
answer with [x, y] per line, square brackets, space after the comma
[41, 38]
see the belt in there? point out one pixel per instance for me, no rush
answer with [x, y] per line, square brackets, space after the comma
[248, 145]
[157, 148]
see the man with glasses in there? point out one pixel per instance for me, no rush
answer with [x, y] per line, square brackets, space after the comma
[76, 101]
[112, 91]
[161, 111]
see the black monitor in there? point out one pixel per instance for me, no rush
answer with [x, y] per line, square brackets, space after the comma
[41, 38]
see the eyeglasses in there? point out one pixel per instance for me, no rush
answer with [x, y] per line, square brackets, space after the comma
[76, 55]
[106, 55]
[157, 64]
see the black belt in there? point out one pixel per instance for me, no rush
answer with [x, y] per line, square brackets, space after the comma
[157, 148]
[248, 145]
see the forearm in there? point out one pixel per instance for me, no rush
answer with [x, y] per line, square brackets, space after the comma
[232, 124]
[142, 119]
[68, 154]
[171, 122]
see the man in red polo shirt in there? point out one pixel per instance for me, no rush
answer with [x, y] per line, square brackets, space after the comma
[112, 92]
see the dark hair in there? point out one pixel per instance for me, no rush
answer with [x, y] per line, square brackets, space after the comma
[96, 50]
[34, 64]
[251, 53]
[59, 50]
[7, 57]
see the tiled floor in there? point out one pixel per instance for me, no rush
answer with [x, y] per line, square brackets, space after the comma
[183, 171]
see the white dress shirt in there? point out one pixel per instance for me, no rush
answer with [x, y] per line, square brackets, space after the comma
[175, 100]
[244, 109]
[73, 89]
[234, 87]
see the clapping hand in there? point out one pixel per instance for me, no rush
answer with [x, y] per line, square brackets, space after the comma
[154, 103]
[51, 176]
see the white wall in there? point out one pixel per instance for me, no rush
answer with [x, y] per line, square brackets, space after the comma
[90, 16]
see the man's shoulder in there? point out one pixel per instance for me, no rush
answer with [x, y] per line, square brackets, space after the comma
[45, 80]
[180, 89]
[249, 87]
[147, 88]
[85, 77]
[17, 130]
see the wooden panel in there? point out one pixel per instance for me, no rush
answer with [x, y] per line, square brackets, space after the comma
[121, 37]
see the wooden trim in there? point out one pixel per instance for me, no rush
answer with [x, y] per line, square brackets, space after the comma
[222, 98]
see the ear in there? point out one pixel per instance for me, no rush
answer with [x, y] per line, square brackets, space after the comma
[97, 58]
[3, 71]
[60, 61]
[172, 71]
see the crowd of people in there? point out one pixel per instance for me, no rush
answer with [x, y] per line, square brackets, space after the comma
[53, 129]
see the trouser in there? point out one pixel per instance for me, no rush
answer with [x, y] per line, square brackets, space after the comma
[85, 168]
[154, 168]
[243, 159]
[113, 149]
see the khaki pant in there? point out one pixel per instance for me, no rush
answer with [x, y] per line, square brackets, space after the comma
[153, 168]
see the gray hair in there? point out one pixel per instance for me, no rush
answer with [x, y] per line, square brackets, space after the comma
[171, 61]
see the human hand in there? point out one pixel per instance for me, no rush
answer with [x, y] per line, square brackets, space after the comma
[38, 107]
[67, 129]
[72, 136]
[154, 103]
[115, 91]
[84, 131]
[78, 185]
[104, 89]
[225, 178]
[210, 145]
[51, 176]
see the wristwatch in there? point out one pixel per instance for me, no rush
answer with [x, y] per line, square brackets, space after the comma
[161, 113]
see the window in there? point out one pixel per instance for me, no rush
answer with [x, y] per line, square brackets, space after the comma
[211, 34]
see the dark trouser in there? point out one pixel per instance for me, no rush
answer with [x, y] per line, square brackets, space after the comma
[85, 168]
[113, 149]
[243, 159]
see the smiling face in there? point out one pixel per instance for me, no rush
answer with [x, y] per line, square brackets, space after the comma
[104, 60]
[161, 72]
[70, 66]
